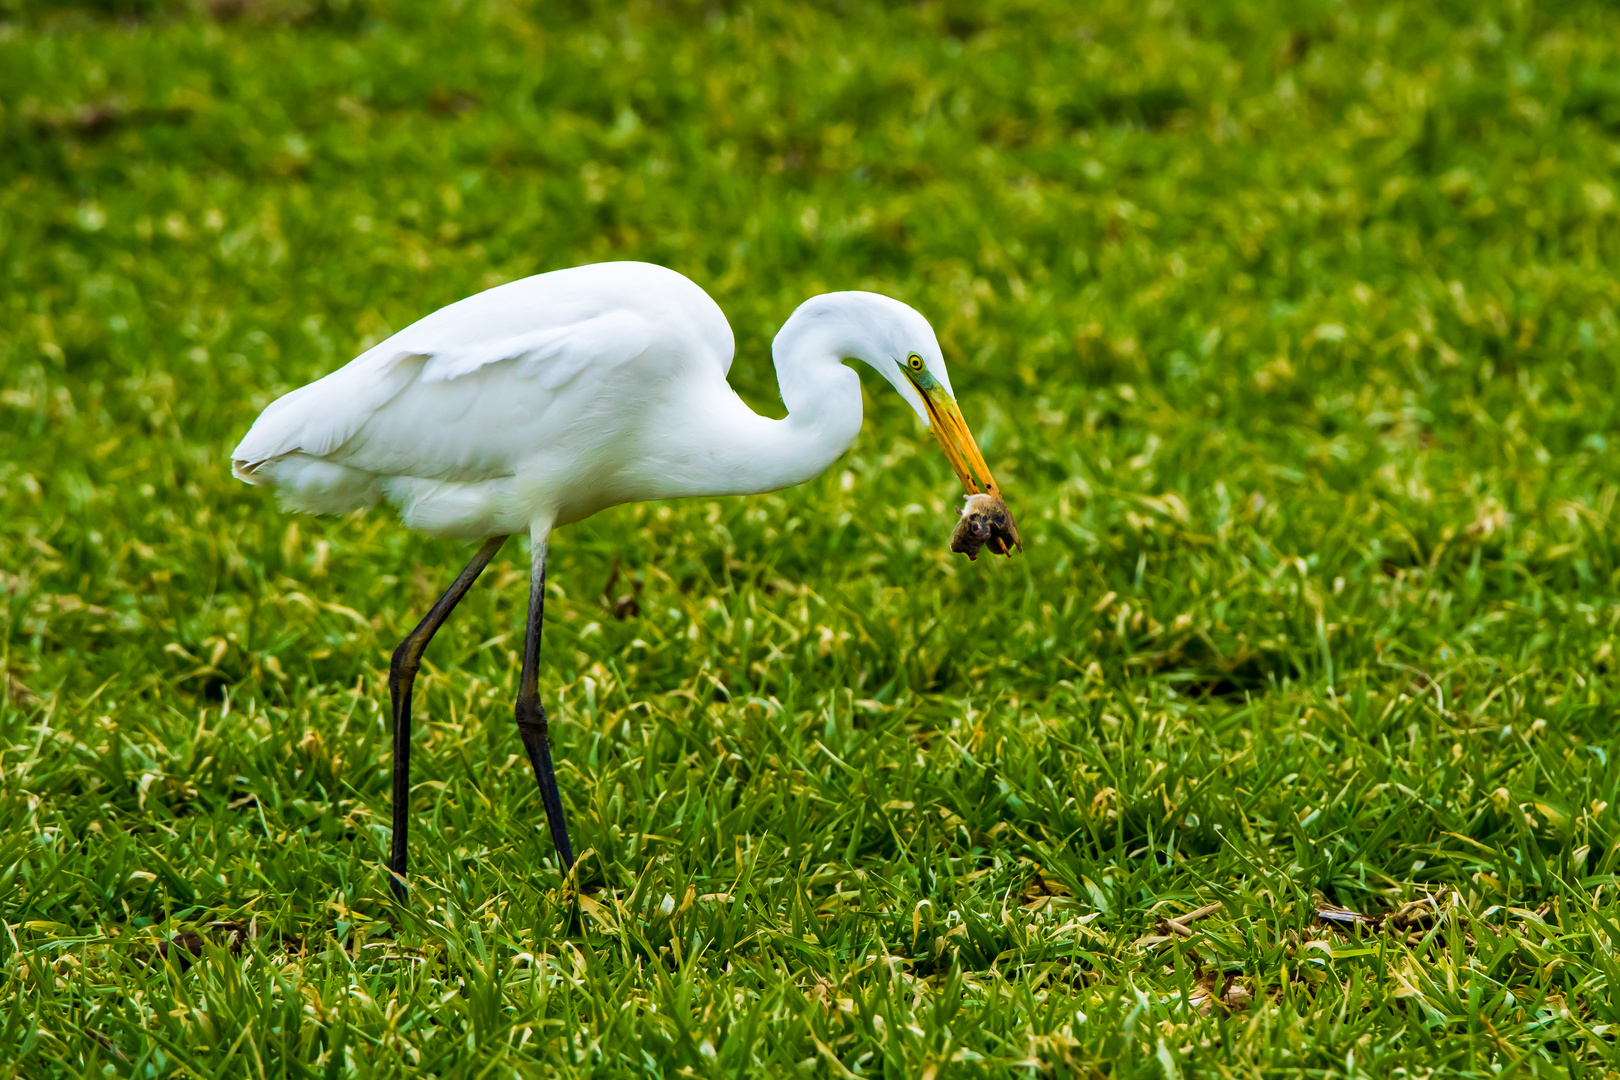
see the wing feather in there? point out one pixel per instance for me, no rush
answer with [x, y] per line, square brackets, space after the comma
[460, 415]
[408, 407]
[318, 418]
[551, 356]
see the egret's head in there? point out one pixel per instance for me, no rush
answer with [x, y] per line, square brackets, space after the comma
[895, 340]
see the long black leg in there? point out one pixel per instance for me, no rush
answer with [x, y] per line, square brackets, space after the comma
[401, 677]
[531, 715]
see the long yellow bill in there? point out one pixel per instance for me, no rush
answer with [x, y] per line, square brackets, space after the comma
[945, 421]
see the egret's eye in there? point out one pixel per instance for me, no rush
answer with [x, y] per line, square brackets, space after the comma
[915, 362]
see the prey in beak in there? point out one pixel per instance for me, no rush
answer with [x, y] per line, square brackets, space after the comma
[984, 518]
[992, 524]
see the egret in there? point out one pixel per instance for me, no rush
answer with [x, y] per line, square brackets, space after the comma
[539, 402]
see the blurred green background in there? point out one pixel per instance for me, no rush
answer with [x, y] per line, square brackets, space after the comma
[1289, 330]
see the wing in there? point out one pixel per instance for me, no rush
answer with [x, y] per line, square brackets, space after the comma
[453, 397]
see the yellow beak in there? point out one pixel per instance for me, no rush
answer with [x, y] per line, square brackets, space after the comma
[945, 421]
[954, 438]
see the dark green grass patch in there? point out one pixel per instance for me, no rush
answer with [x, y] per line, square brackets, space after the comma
[1290, 331]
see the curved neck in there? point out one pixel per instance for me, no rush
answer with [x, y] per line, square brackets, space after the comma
[823, 398]
[732, 450]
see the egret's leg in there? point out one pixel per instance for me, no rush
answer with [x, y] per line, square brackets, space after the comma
[401, 677]
[531, 715]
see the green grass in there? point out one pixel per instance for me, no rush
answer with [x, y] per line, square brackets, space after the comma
[1290, 333]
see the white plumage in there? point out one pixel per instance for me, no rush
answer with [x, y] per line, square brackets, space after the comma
[542, 401]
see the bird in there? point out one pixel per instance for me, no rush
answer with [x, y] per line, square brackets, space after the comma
[540, 402]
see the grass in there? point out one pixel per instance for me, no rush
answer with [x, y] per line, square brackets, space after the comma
[1290, 331]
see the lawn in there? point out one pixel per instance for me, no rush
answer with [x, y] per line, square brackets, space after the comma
[1289, 330]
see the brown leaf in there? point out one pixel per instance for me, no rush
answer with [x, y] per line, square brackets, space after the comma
[1339, 916]
[19, 695]
[1236, 996]
[1409, 920]
[1231, 996]
[1178, 925]
[626, 605]
[183, 948]
[1418, 914]
[1041, 887]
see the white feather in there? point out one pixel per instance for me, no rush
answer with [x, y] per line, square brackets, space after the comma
[544, 400]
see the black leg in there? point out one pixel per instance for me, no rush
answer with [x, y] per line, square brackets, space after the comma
[401, 677]
[531, 715]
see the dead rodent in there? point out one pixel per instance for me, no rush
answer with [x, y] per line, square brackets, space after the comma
[985, 521]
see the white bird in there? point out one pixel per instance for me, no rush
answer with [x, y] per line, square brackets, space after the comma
[539, 402]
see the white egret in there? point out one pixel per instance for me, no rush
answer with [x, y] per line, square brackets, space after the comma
[539, 402]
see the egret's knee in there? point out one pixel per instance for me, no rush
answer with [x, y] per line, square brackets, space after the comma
[531, 715]
[407, 659]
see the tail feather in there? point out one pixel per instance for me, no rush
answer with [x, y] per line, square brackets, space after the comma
[248, 471]
[312, 485]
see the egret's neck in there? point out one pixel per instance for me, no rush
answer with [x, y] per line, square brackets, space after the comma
[823, 399]
[735, 451]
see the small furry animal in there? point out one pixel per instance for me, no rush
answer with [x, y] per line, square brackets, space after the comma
[985, 520]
